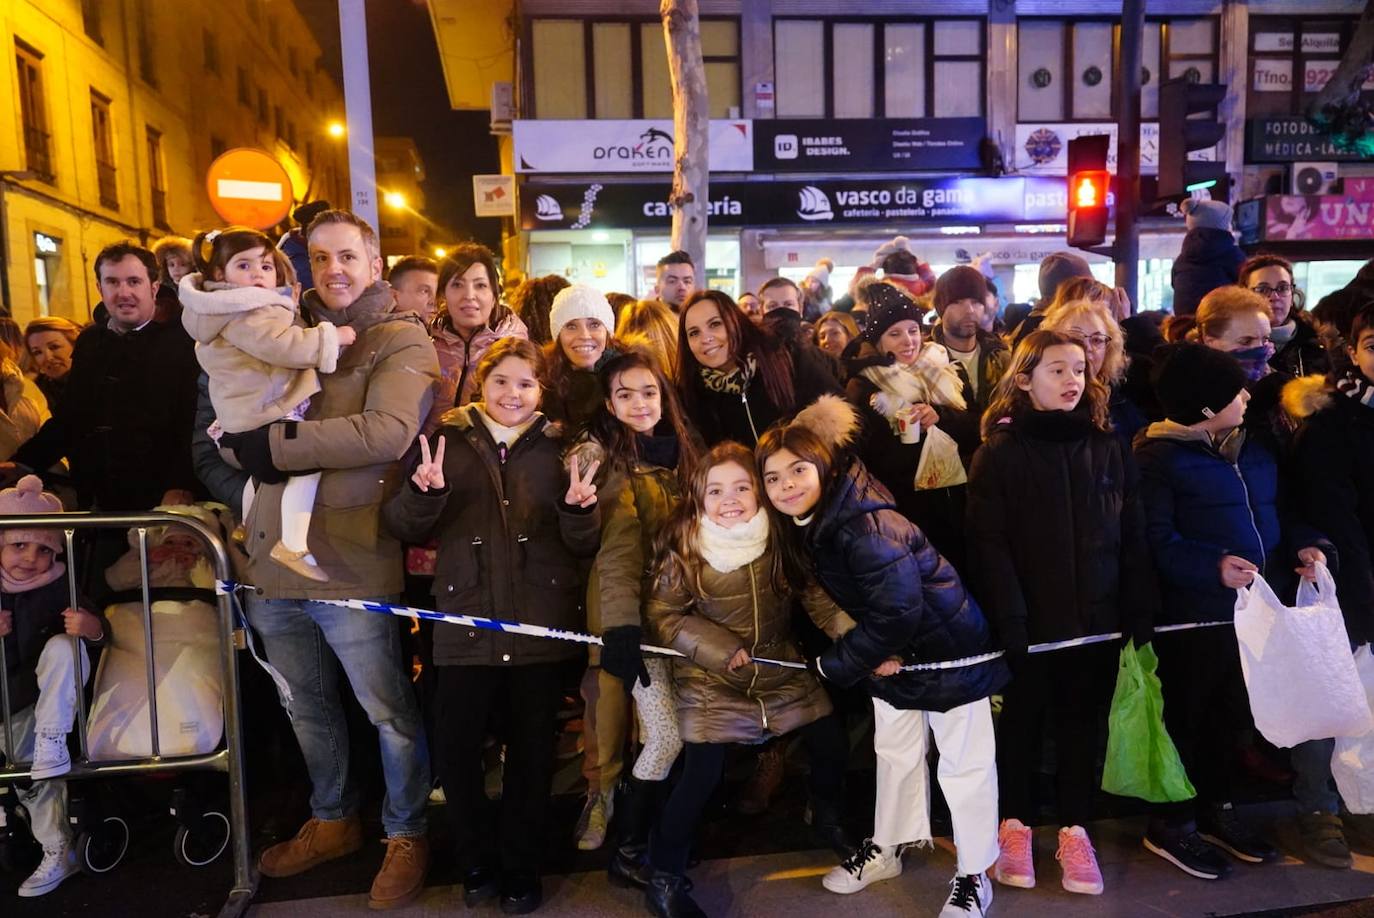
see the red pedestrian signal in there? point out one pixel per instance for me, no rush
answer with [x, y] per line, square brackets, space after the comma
[1088, 183]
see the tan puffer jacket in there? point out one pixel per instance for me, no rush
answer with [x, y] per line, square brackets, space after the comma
[714, 615]
[260, 357]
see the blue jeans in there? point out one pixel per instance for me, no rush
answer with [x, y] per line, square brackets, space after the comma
[298, 637]
[1313, 787]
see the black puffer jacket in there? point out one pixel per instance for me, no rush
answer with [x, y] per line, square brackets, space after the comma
[720, 416]
[907, 600]
[37, 618]
[1303, 354]
[508, 544]
[1057, 532]
[1333, 465]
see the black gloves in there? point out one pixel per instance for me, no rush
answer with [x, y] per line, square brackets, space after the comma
[620, 655]
[253, 450]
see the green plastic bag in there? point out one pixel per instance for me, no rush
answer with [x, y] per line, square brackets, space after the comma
[1141, 759]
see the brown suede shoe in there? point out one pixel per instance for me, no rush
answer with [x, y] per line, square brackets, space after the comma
[319, 840]
[403, 872]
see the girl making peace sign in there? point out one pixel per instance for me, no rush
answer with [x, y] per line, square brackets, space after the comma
[510, 526]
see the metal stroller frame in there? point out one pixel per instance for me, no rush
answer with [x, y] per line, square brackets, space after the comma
[229, 758]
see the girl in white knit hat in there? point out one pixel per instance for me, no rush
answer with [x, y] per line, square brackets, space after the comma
[37, 629]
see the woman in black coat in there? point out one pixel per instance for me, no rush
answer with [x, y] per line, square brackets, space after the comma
[734, 383]
[910, 606]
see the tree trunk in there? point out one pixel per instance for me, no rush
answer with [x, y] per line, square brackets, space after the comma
[1338, 109]
[691, 177]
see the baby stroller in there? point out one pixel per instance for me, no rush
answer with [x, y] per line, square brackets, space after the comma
[190, 716]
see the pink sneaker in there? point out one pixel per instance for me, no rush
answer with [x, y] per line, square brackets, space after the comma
[1078, 861]
[1016, 863]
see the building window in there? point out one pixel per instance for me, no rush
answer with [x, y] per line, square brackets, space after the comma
[147, 57]
[309, 85]
[292, 63]
[47, 270]
[33, 111]
[90, 21]
[102, 135]
[264, 109]
[912, 68]
[245, 90]
[1292, 59]
[210, 42]
[157, 178]
[279, 122]
[619, 68]
[1067, 70]
[217, 147]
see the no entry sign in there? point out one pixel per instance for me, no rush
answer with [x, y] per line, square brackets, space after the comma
[249, 188]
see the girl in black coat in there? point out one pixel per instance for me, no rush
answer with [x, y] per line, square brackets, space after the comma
[910, 606]
[1057, 547]
[733, 382]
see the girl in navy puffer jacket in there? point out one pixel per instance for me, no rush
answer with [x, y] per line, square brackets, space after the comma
[1213, 521]
[910, 607]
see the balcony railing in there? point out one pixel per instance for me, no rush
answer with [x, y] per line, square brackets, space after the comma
[109, 188]
[38, 153]
[160, 209]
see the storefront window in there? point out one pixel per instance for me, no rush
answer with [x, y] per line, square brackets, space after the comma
[1318, 278]
[47, 275]
[598, 258]
[722, 263]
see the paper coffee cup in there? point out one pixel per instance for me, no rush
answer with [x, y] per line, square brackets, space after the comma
[908, 428]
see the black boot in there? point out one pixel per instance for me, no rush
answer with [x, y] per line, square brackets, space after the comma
[635, 814]
[827, 827]
[667, 896]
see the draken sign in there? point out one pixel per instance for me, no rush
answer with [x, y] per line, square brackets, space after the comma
[606, 146]
[1012, 199]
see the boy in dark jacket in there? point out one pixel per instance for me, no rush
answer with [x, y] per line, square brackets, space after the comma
[39, 634]
[1211, 499]
[1210, 257]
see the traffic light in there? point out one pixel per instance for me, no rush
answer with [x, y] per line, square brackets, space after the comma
[1088, 183]
[1180, 135]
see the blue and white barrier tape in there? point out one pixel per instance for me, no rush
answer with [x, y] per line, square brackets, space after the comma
[558, 634]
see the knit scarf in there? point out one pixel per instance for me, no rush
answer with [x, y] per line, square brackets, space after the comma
[1355, 385]
[733, 382]
[728, 550]
[929, 380]
[52, 574]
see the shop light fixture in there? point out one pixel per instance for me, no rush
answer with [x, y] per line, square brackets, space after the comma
[440, 251]
[961, 230]
[600, 236]
[1040, 227]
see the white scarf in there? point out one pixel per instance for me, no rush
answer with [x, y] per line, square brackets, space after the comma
[500, 432]
[929, 380]
[728, 550]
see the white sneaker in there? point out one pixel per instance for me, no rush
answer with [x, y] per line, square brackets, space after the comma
[56, 866]
[970, 896]
[591, 825]
[50, 755]
[868, 864]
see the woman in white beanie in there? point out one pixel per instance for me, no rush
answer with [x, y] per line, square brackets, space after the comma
[37, 626]
[582, 323]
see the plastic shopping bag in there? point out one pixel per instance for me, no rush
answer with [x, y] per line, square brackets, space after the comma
[1297, 664]
[1352, 763]
[1141, 758]
[940, 465]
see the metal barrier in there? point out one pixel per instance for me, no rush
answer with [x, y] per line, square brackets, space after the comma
[228, 759]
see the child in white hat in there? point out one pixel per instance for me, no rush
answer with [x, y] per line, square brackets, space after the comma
[37, 623]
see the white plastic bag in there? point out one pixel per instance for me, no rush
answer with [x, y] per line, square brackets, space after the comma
[1352, 763]
[1297, 664]
[940, 465]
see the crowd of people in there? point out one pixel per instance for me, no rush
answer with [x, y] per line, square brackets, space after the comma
[805, 497]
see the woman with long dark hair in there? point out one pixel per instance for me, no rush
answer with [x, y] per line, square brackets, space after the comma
[734, 384]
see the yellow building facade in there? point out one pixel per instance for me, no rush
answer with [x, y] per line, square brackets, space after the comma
[116, 108]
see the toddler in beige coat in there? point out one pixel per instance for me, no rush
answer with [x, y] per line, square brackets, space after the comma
[262, 360]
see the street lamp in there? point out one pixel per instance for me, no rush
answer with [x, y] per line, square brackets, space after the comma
[395, 200]
[336, 129]
[440, 251]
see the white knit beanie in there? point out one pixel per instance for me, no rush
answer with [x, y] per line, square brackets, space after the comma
[579, 301]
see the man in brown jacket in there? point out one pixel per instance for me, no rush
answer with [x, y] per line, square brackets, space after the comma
[364, 418]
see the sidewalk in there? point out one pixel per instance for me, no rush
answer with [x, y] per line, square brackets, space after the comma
[1138, 884]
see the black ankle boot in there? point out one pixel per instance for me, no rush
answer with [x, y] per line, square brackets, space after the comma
[667, 896]
[827, 827]
[635, 814]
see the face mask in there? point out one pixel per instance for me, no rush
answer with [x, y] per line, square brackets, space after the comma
[1255, 360]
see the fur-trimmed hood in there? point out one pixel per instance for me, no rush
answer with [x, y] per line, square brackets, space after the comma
[208, 306]
[1306, 395]
[831, 418]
